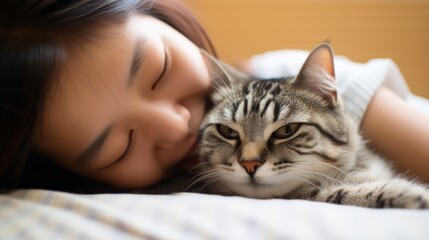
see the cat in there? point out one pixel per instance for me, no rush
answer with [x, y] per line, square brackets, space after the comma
[291, 138]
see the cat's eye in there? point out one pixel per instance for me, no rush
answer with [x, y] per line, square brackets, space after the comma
[227, 132]
[286, 131]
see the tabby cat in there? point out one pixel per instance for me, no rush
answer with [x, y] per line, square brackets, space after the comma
[291, 138]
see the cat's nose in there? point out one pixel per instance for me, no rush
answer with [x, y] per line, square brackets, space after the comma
[251, 166]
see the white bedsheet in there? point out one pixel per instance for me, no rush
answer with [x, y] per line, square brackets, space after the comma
[39, 214]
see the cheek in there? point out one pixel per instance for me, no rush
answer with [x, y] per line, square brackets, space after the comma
[282, 158]
[215, 150]
[191, 69]
[137, 171]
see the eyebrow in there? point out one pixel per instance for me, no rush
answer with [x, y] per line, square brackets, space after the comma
[138, 56]
[94, 148]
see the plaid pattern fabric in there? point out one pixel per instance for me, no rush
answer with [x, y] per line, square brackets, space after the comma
[39, 214]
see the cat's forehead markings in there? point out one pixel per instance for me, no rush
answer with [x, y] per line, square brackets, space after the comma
[265, 110]
[240, 110]
[249, 101]
[298, 117]
[227, 113]
[284, 112]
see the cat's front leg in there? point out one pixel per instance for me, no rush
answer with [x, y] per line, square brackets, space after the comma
[396, 193]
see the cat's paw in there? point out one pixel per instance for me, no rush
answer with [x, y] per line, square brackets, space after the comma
[396, 193]
[408, 201]
[421, 202]
[412, 197]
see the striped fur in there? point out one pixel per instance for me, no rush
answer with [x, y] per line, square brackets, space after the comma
[291, 138]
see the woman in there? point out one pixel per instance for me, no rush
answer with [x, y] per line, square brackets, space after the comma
[115, 91]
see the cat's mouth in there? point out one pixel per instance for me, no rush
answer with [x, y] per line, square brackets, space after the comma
[254, 182]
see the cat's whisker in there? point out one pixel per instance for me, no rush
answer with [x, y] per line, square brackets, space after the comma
[202, 177]
[225, 85]
[338, 169]
[316, 174]
[306, 181]
[208, 181]
[225, 94]
[199, 165]
[320, 175]
[230, 87]
[216, 85]
[221, 182]
[221, 90]
[332, 166]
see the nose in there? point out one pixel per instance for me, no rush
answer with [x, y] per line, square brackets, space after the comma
[251, 165]
[169, 124]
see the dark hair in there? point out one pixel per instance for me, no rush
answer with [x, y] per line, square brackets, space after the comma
[35, 38]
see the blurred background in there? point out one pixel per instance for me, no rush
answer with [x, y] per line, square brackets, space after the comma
[358, 29]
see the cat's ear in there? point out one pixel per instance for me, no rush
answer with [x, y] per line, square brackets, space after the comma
[318, 75]
[221, 73]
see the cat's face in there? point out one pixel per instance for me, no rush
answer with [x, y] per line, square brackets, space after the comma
[266, 138]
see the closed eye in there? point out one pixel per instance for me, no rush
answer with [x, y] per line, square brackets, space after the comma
[130, 146]
[165, 69]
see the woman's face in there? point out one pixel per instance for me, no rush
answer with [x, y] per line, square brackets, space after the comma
[127, 108]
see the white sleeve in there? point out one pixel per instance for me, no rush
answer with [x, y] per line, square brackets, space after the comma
[357, 82]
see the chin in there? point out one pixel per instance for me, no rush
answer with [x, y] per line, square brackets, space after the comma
[259, 189]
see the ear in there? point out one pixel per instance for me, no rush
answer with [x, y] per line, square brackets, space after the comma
[222, 74]
[318, 75]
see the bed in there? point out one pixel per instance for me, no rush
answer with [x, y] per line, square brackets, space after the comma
[41, 214]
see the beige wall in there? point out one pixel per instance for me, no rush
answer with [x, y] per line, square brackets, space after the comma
[359, 29]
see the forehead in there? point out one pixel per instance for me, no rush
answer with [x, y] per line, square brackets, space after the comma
[258, 103]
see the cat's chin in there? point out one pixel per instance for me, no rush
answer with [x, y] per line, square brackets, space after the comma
[260, 190]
